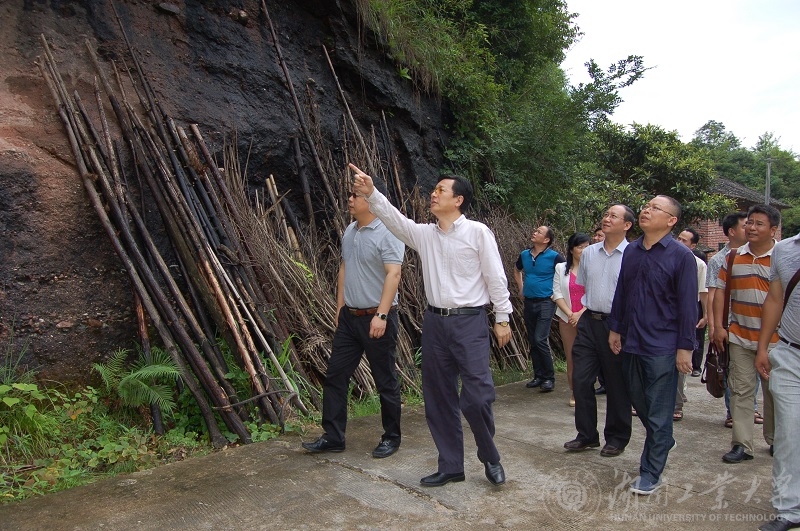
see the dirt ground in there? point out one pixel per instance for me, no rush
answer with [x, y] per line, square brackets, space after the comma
[64, 298]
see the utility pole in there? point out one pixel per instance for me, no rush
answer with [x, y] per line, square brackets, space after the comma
[769, 172]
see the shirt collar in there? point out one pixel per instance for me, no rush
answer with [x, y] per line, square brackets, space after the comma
[456, 224]
[371, 225]
[601, 247]
[664, 242]
[745, 249]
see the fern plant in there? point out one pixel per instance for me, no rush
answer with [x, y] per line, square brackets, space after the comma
[145, 383]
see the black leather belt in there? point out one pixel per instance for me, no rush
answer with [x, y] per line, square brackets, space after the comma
[598, 316]
[358, 312]
[455, 311]
[793, 345]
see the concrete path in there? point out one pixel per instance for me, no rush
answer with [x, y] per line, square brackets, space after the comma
[277, 485]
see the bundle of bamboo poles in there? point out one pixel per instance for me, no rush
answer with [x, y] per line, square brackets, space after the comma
[247, 270]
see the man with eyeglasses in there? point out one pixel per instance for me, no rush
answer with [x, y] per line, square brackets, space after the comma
[366, 323]
[598, 273]
[652, 323]
[534, 273]
[749, 285]
[462, 272]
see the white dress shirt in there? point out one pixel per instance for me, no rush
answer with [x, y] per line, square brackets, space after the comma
[460, 267]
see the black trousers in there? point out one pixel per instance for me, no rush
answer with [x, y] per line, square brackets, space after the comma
[458, 347]
[591, 353]
[350, 341]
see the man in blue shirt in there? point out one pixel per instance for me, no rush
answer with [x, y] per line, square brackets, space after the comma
[535, 269]
[652, 323]
[598, 273]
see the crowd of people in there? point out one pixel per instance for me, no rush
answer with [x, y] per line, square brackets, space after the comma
[632, 314]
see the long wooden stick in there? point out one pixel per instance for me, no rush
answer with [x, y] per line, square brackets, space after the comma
[300, 117]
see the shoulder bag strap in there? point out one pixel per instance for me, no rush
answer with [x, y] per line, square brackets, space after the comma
[790, 287]
[726, 308]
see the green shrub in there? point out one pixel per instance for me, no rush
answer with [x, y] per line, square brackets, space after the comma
[146, 382]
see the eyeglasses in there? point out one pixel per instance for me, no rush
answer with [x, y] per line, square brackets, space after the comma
[651, 206]
[440, 189]
[612, 216]
[759, 224]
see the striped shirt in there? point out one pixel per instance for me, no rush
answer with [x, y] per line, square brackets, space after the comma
[749, 287]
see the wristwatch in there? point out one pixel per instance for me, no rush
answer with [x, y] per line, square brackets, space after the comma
[503, 323]
[381, 316]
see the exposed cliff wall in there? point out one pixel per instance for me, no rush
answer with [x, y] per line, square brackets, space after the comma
[63, 294]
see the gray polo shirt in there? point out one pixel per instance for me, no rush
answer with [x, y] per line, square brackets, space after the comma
[785, 263]
[598, 273]
[714, 265]
[364, 252]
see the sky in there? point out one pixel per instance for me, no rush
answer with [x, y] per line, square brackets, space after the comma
[733, 61]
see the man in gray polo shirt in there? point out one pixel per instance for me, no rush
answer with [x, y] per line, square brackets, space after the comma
[781, 366]
[366, 323]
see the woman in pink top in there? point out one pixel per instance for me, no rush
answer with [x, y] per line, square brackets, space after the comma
[567, 296]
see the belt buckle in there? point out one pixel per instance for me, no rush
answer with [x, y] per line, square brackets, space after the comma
[446, 314]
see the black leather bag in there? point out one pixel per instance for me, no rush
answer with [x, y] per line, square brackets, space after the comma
[714, 371]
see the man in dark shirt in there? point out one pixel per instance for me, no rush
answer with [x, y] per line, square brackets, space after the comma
[534, 273]
[652, 325]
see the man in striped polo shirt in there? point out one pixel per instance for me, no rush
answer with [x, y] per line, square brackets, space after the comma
[749, 278]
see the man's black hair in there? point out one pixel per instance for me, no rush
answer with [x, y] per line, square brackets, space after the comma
[731, 220]
[462, 187]
[695, 239]
[771, 212]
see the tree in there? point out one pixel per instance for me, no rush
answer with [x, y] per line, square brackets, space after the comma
[600, 97]
[525, 35]
[632, 165]
[713, 135]
[729, 159]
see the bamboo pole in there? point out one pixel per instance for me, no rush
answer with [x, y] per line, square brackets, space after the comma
[371, 166]
[300, 118]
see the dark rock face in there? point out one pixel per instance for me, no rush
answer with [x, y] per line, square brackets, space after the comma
[64, 297]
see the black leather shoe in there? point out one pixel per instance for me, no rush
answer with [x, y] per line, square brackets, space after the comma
[536, 382]
[695, 373]
[600, 390]
[438, 479]
[736, 455]
[323, 445]
[576, 445]
[779, 524]
[547, 386]
[385, 448]
[611, 451]
[495, 473]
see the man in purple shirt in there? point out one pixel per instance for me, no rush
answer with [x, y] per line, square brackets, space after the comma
[652, 323]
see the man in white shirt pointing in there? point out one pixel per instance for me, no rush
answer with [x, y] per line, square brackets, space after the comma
[462, 272]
